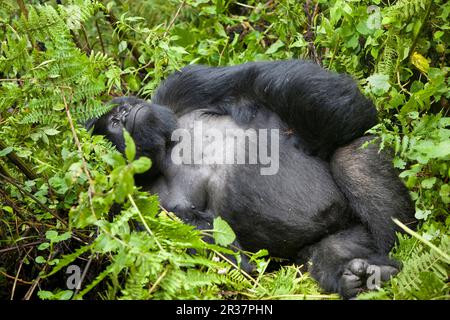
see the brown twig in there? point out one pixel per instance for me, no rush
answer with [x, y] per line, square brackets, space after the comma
[330, 65]
[100, 37]
[5, 172]
[113, 21]
[177, 13]
[310, 35]
[17, 275]
[38, 279]
[88, 264]
[153, 287]
[10, 202]
[22, 166]
[12, 79]
[12, 278]
[416, 36]
[21, 246]
[78, 43]
[28, 194]
[80, 152]
[76, 234]
[86, 40]
[23, 8]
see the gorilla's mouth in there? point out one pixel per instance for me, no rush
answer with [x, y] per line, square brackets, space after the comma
[132, 116]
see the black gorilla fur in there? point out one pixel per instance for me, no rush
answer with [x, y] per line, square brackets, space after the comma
[331, 201]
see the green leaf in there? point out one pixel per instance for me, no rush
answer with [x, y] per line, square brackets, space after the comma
[422, 214]
[51, 131]
[54, 237]
[261, 253]
[40, 259]
[45, 295]
[8, 209]
[114, 159]
[378, 83]
[353, 42]
[64, 236]
[445, 193]
[133, 82]
[51, 235]
[65, 295]
[420, 62]
[125, 185]
[430, 150]
[141, 165]
[122, 46]
[5, 151]
[223, 234]
[363, 28]
[130, 149]
[399, 163]
[43, 246]
[428, 183]
[61, 295]
[275, 46]
[58, 107]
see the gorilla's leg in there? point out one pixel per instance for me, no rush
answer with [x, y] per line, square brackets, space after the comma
[348, 262]
[375, 193]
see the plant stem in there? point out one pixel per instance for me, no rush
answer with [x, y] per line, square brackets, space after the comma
[22, 166]
[28, 194]
[100, 36]
[416, 36]
[144, 222]
[444, 255]
[23, 8]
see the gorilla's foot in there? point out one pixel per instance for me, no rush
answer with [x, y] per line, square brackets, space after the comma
[359, 275]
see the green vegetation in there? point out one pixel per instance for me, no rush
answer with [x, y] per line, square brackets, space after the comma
[58, 185]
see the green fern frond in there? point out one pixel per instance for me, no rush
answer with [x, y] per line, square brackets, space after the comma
[351, 65]
[406, 9]
[56, 68]
[425, 273]
[237, 279]
[388, 62]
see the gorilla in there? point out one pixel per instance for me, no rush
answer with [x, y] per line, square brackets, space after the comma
[324, 200]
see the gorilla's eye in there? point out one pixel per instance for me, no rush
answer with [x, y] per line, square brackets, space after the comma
[115, 121]
[120, 116]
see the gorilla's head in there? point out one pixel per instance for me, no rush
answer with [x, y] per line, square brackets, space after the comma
[150, 125]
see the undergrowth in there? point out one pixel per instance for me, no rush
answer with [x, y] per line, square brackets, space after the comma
[69, 206]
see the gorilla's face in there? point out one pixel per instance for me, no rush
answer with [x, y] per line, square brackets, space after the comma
[123, 116]
[150, 126]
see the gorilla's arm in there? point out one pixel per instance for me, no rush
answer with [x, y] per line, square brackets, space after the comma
[326, 109]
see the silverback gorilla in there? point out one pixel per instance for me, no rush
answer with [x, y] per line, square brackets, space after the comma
[329, 202]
